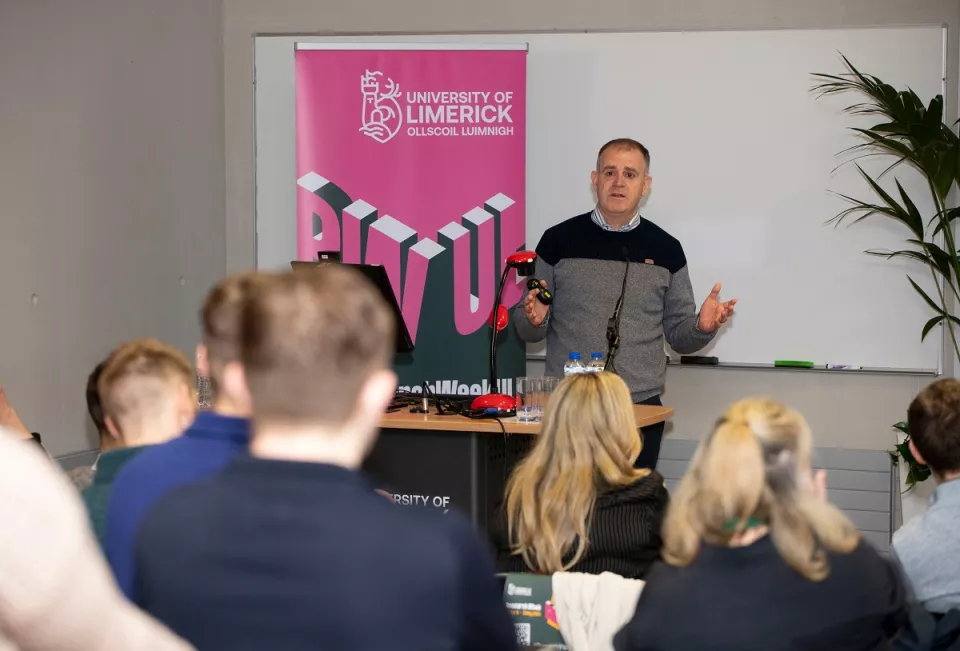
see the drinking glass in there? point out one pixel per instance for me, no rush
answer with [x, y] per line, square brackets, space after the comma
[549, 386]
[529, 390]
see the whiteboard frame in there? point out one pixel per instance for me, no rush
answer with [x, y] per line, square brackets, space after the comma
[381, 41]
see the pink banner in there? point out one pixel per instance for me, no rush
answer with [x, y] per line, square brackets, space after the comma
[406, 158]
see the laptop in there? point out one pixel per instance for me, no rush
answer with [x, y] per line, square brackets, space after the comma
[323, 257]
[376, 274]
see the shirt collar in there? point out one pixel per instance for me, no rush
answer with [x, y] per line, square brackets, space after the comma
[211, 425]
[948, 491]
[257, 468]
[110, 463]
[602, 223]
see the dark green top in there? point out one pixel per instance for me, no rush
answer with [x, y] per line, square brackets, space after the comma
[97, 495]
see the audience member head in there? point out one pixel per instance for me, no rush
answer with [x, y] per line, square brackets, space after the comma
[95, 409]
[146, 388]
[753, 473]
[588, 442]
[220, 347]
[316, 350]
[934, 420]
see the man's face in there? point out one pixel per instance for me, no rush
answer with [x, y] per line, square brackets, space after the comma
[621, 181]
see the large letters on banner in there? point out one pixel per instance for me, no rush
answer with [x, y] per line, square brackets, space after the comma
[414, 160]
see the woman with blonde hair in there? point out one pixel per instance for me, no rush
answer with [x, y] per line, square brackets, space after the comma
[576, 503]
[756, 558]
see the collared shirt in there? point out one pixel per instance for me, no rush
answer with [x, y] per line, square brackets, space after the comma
[97, 495]
[209, 444]
[602, 223]
[928, 547]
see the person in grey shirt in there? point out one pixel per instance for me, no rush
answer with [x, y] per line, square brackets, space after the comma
[928, 546]
[582, 261]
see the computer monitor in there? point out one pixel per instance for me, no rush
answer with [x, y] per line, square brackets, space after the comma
[376, 274]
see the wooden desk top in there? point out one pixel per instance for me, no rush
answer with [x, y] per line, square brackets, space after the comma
[645, 414]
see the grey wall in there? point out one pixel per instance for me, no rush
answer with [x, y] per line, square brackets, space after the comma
[845, 411]
[111, 190]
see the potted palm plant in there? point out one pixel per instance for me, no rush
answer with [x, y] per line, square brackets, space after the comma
[911, 133]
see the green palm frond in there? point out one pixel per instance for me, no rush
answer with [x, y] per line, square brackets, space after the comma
[912, 132]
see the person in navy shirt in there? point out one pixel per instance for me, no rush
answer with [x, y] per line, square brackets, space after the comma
[213, 439]
[289, 547]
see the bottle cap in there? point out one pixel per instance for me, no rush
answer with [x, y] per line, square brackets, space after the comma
[596, 356]
[574, 355]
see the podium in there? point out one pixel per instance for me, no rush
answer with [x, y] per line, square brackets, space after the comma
[443, 462]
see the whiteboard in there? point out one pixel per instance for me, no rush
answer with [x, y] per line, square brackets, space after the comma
[743, 160]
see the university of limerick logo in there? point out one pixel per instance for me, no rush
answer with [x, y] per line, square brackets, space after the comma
[382, 118]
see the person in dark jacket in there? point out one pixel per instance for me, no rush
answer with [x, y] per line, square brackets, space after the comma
[756, 558]
[289, 547]
[576, 503]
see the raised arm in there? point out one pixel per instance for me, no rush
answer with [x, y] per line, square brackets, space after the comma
[531, 317]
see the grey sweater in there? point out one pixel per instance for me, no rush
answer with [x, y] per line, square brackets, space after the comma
[583, 266]
[928, 549]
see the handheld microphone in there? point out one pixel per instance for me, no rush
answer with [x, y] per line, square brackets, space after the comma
[544, 295]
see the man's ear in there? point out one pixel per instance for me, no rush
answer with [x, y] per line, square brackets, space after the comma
[113, 430]
[186, 406]
[647, 185]
[235, 383]
[378, 392]
[203, 366]
[916, 454]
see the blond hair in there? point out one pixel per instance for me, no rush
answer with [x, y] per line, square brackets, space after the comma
[138, 377]
[588, 443]
[755, 465]
[309, 342]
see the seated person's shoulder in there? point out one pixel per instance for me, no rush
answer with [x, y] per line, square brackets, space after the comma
[649, 489]
[149, 460]
[431, 529]
[923, 546]
[871, 577]
[183, 504]
[668, 586]
[914, 538]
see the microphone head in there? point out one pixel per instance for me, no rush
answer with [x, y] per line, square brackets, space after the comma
[524, 262]
[526, 268]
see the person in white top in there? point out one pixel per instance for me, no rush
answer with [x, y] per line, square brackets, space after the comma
[56, 592]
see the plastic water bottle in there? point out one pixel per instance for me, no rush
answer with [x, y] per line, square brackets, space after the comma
[596, 363]
[573, 365]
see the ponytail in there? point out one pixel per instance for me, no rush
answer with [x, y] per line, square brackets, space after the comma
[722, 491]
[733, 458]
[750, 470]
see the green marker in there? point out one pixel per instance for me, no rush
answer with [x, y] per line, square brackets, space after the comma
[788, 363]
